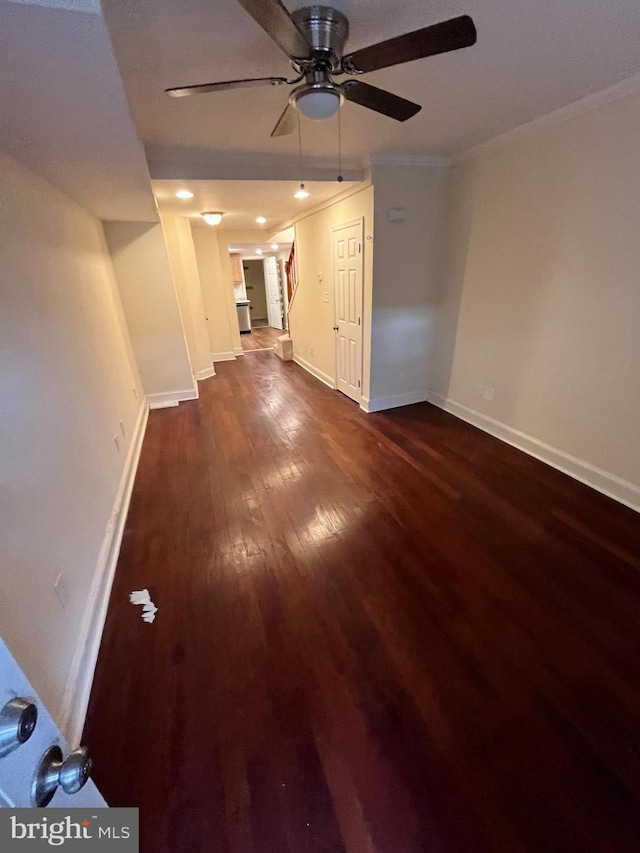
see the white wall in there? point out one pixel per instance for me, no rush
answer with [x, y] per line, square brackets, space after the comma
[311, 318]
[150, 304]
[402, 269]
[222, 321]
[182, 258]
[541, 302]
[66, 380]
[407, 267]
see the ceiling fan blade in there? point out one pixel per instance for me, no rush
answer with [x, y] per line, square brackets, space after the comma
[276, 21]
[287, 122]
[377, 99]
[429, 41]
[204, 88]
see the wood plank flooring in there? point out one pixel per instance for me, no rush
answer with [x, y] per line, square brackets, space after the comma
[382, 633]
[261, 337]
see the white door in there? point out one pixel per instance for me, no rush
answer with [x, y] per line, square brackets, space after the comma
[272, 287]
[27, 732]
[347, 286]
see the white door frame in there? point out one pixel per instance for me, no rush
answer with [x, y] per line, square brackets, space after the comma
[350, 223]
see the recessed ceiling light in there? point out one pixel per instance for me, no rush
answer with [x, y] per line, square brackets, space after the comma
[301, 193]
[274, 246]
[260, 220]
[258, 251]
[214, 217]
[184, 194]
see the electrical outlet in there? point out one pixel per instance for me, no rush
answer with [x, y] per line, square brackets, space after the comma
[122, 429]
[311, 350]
[325, 296]
[135, 393]
[62, 591]
[488, 393]
[320, 276]
[116, 441]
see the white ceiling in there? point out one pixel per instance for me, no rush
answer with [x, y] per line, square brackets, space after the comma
[532, 57]
[243, 201]
[64, 110]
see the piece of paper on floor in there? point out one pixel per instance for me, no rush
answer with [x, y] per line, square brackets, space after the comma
[148, 617]
[140, 596]
[150, 608]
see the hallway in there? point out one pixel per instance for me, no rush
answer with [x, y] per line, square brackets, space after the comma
[383, 633]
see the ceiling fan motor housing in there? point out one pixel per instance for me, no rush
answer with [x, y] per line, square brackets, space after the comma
[325, 29]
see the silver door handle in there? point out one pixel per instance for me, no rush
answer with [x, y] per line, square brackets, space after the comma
[18, 719]
[71, 775]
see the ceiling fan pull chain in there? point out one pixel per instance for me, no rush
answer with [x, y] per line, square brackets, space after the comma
[300, 147]
[340, 176]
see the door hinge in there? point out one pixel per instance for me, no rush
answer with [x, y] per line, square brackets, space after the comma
[360, 247]
[358, 383]
[358, 320]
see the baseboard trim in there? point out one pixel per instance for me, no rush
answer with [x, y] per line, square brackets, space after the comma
[205, 374]
[380, 404]
[78, 687]
[315, 371]
[238, 351]
[623, 491]
[171, 398]
[223, 356]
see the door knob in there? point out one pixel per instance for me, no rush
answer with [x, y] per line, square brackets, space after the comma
[18, 719]
[335, 328]
[71, 775]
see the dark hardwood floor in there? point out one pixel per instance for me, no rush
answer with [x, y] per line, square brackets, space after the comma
[381, 633]
[260, 337]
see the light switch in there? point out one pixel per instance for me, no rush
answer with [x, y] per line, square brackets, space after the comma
[397, 214]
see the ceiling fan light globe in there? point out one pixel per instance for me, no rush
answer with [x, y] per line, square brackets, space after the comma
[318, 105]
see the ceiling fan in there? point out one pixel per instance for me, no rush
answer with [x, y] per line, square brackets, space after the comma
[314, 38]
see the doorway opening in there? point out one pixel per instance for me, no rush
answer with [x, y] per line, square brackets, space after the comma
[260, 292]
[256, 292]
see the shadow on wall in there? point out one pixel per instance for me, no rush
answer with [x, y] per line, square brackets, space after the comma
[448, 296]
[494, 298]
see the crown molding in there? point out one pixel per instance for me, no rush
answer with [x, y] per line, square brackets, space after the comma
[433, 162]
[620, 90]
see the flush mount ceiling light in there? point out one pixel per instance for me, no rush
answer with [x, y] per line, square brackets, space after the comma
[260, 220]
[213, 217]
[258, 251]
[301, 192]
[184, 194]
[274, 246]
